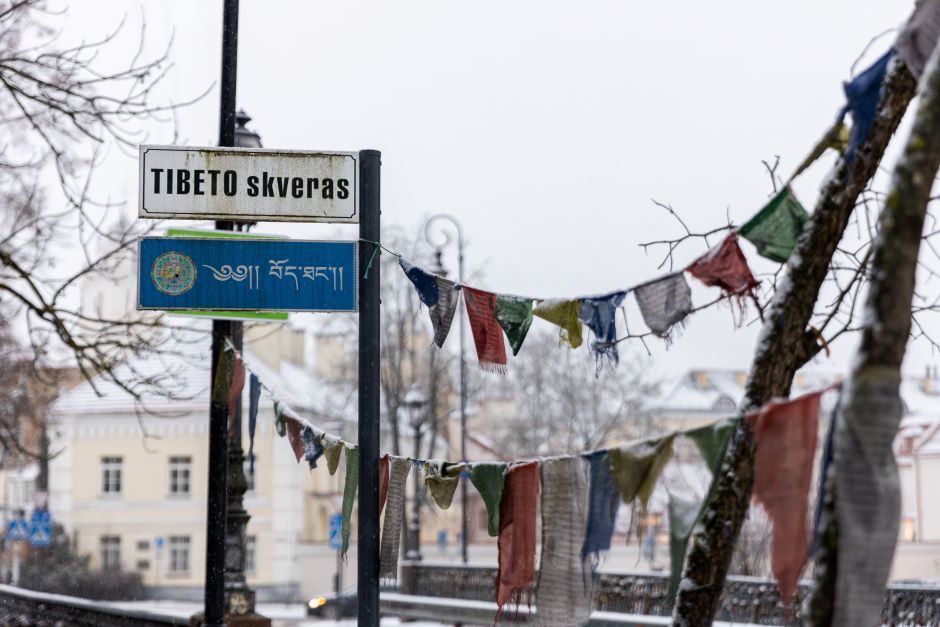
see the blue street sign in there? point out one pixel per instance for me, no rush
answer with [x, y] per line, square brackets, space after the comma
[158, 542]
[17, 529]
[40, 516]
[40, 534]
[336, 531]
[177, 273]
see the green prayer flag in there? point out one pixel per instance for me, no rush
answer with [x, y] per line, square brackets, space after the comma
[712, 442]
[488, 478]
[564, 313]
[223, 375]
[514, 314]
[683, 514]
[636, 466]
[349, 492]
[280, 420]
[332, 447]
[777, 226]
[441, 479]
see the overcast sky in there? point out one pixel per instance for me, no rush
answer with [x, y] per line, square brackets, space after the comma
[545, 127]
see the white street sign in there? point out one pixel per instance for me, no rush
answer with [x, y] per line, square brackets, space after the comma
[187, 183]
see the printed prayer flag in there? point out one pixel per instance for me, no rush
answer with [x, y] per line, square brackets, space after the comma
[515, 578]
[438, 294]
[236, 387]
[777, 226]
[441, 479]
[332, 449]
[295, 438]
[514, 314]
[488, 478]
[313, 445]
[279, 417]
[391, 526]
[785, 432]
[725, 267]
[561, 598]
[350, 485]
[254, 396]
[383, 480]
[636, 467]
[836, 138]
[664, 303]
[563, 313]
[603, 503]
[599, 313]
[919, 36]
[487, 334]
[862, 94]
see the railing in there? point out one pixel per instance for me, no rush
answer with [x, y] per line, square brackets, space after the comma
[744, 599]
[41, 608]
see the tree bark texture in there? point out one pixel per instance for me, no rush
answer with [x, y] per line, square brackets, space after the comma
[861, 525]
[785, 345]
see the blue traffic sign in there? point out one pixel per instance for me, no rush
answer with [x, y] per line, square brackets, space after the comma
[178, 273]
[158, 542]
[17, 529]
[336, 531]
[40, 534]
[40, 516]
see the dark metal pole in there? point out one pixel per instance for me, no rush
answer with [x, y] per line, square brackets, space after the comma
[370, 162]
[464, 515]
[214, 611]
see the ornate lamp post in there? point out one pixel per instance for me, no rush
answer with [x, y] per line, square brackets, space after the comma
[439, 269]
[239, 598]
[414, 411]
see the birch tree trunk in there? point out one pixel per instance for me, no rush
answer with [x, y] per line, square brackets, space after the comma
[861, 525]
[785, 345]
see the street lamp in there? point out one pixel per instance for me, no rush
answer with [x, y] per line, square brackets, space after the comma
[439, 269]
[414, 411]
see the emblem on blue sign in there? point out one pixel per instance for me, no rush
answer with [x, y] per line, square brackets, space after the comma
[173, 273]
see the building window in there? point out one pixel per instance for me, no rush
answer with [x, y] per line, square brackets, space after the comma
[111, 475]
[179, 475]
[110, 547]
[179, 555]
[251, 549]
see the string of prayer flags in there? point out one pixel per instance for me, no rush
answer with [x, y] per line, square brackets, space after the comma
[603, 503]
[438, 294]
[862, 94]
[489, 478]
[776, 227]
[836, 138]
[349, 494]
[664, 303]
[295, 438]
[383, 480]
[254, 396]
[563, 313]
[560, 598]
[441, 479]
[725, 267]
[785, 433]
[919, 37]
[391, 527]
[514, 314]
[636, 467]
[712, 442]
[487, 334]
[515, 578]
[333, 447]
[599, 313]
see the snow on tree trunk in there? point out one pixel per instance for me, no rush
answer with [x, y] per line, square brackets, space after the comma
[861, 522]
[785, 345]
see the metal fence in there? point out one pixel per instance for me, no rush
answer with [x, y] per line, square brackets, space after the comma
[27, 607]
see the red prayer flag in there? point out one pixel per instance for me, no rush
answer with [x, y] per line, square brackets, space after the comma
[517, 517]
[725, 266]
[235, 388]
[295, 437]
[783, 470]
[487, 333]
[383, 480]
